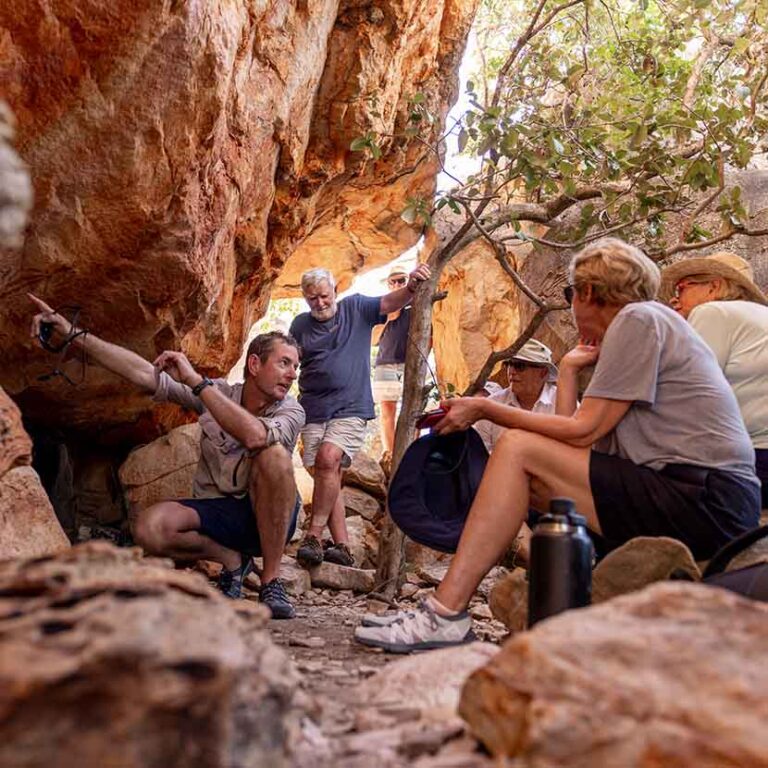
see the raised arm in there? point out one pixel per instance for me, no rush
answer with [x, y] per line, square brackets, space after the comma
[571, 363]
[231, 417]
[119, 360]
[395, 300]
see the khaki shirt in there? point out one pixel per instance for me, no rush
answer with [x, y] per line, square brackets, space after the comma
[225, 462]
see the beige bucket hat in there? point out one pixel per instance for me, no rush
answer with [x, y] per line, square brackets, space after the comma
[721, 264]
[535, 352]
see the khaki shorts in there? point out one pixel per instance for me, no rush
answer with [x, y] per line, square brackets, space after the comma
[388, 382]
[347, 434]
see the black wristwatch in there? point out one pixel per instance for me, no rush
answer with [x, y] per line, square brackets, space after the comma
[198, 388]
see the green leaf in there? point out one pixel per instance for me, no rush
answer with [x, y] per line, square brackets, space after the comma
[360, 144]
[462, 139]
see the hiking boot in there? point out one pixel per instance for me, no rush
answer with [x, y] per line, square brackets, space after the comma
[337, 553]
[231, 582]
[274, 596]
[310, 552]
[419, 630]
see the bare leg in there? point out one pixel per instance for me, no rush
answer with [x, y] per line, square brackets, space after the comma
[327, 486]
[272, 490]
[337, 522]
[523, 468]
[387, 422]
[170, 529]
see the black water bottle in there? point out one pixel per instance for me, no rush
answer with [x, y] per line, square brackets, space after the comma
[560, 575]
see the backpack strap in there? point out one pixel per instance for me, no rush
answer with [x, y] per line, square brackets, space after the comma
[724, 555]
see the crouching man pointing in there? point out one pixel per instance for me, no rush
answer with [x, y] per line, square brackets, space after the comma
[245, 501]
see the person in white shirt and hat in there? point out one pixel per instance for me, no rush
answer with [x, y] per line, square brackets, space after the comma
[532, 386]
[719, 298]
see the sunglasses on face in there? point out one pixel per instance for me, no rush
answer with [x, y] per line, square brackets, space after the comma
[568, 292]
[683, 284]
[520, 365]
[398, 280]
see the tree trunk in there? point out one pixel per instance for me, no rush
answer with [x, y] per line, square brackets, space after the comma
[392, 541]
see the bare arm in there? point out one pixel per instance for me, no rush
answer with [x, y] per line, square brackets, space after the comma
[119, 360]
[231, 417]
[395, 300]
[595, 418]
[580, 357]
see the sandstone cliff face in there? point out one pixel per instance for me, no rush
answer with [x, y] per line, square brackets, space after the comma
[180, 154]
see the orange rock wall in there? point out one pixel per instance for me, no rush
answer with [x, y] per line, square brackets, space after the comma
[181, 153]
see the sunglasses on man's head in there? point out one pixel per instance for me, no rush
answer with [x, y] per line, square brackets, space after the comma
[398, 280]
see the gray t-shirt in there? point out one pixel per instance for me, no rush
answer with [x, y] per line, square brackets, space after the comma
[683, 409]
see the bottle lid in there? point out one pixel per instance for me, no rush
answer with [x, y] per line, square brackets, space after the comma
[563, 511]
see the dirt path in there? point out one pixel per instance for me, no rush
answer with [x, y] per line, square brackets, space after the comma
[348, 727]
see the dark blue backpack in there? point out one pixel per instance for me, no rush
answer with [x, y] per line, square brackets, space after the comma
[434, 486]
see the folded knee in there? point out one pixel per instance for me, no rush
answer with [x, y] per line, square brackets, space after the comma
[271, 462]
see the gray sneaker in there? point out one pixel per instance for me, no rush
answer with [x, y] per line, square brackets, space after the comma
[383, 619]
[418, 630]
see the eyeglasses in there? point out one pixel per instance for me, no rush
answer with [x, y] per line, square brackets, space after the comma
[683, 284]
[520, 365]
[568, 292]
[398, 280]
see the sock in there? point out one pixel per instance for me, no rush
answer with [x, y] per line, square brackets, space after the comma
[440, 609]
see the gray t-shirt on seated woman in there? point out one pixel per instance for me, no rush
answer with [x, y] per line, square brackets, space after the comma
[683, 411]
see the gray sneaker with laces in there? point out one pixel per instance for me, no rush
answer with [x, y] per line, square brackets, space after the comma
[418, 630]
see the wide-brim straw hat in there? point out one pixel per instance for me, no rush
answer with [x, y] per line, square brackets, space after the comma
[535, 352]
[721, 264]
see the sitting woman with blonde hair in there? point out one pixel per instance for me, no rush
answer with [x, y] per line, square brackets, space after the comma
[719, 298]
[657, 447]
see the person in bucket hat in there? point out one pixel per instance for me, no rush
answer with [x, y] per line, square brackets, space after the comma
[531, 378]
[719, 298]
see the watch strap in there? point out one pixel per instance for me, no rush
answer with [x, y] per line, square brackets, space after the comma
[198, 388]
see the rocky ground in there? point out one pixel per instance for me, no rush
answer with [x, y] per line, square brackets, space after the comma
[349, 729]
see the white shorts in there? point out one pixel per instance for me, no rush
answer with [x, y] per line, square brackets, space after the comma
[347, 434]
[388, 382]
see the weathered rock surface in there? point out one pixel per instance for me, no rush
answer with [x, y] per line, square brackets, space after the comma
[363, 542]
[15, 185]
[508, 600]
[357, 502]
[28, 524]
[366, 474]
[163, 469]
[109, 659]
[428, 682]
[674, 675]
[183, 152]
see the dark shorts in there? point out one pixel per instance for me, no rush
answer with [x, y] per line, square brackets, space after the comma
[703, 508]
[761, 461]
[230, 521]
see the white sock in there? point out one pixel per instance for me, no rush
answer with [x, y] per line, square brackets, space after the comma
[440, 609]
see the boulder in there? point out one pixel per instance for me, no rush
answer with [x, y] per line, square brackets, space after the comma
[363, 542]
[164, 469]
[110, 659]
[509, 600]
[674, 675]
[357, 502]
[15, 444]
[340, 577]
[640, 562]
[366, 473]
[28, 525]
